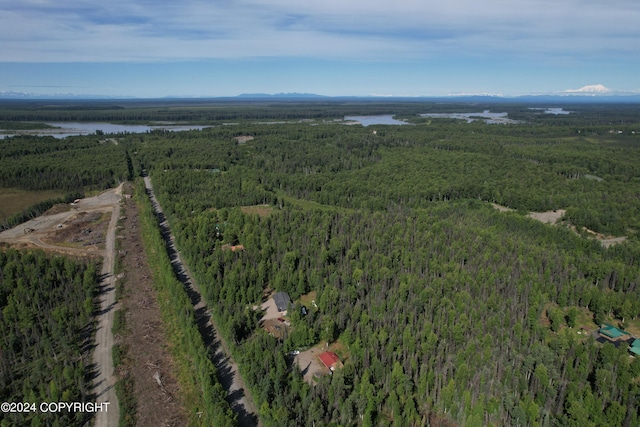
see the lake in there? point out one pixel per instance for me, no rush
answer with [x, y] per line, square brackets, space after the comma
[374, 120]
[487, 116]
[64, 129]
[552, 110]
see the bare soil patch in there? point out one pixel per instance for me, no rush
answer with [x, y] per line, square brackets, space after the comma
[79, 229]
[309, 363]
[59, 208]
[501, 208]
[148, 361]
[549, 217]
[270, 310]
[82, 230]
[610, 241]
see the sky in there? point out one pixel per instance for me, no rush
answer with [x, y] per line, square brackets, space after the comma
[202, 48]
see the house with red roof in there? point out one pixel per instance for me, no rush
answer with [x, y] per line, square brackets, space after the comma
[330, 360]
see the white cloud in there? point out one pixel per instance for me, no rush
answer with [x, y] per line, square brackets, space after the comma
[84, 31]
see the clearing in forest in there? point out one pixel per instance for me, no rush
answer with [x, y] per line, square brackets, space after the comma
[554, 217]
[308, 299]
[549, 217]
[244, 139]
[309, 360]
[148, 360]
[15, 200]
[79, 229]
[262, 211]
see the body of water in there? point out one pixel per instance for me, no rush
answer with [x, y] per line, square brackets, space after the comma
[487, 116]
[63, 129]
[553, 110]
[375, 120]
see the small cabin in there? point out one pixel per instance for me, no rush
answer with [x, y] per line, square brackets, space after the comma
[330, 360]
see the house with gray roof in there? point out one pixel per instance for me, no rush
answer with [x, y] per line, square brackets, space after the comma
[282, 300]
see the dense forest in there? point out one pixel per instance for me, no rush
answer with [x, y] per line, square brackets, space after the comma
[45, 333]
[202, 393]
[75, 167]
[446, 310]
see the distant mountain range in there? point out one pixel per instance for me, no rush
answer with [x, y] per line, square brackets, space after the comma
[565, 97]
[586, 94]
[293, 95]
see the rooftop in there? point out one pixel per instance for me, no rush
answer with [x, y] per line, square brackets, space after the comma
[282, 300]
[329, 359]
[612, 332]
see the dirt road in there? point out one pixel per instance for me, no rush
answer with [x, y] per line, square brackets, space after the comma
[104, 390]
[228, 374]
[33, 233]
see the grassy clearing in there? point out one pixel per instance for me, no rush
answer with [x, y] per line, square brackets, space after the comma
[15, 200]
[306, 299]
[262, 211]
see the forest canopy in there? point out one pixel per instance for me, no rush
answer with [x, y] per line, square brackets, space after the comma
[443, 308]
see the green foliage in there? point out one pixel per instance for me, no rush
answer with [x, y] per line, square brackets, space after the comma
[45, 326]
[202, 394]
[126, 402]
[436, 296]
[44, 163]
[118, 322]
[410, 275]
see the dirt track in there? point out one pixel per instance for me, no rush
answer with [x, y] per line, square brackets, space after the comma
[104, 383]
[32, 233]
[228, 375]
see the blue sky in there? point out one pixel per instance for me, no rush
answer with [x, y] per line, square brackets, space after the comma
[158, 48]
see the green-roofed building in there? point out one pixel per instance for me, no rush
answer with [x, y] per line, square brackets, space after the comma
[635, 347]
[612, 333]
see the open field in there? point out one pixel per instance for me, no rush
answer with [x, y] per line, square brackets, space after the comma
[261, 210]
[15, 200]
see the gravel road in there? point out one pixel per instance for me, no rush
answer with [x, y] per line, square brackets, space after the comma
[228, 374]
[104, 390]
